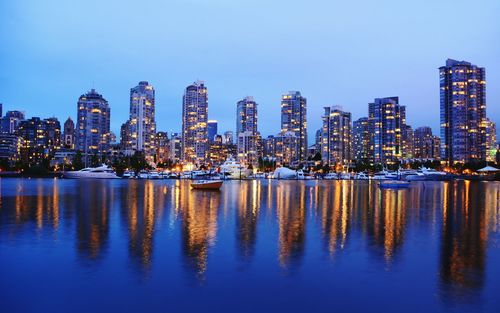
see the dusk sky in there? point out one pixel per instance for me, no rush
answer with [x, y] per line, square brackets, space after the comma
[334, 52]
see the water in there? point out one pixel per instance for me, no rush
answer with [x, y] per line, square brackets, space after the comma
[255, 246]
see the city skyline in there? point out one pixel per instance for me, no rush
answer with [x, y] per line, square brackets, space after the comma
[347, 71]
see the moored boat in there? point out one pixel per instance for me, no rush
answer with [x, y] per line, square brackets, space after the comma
[207, 184]
[394, 184]
[101, 172]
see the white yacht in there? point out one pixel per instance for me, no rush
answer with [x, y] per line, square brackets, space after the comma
[102, 172]
[284, 173]
[128, 174]
[361, 176]
[143, 174]
[154, 175]
[234, 170]
[331, 176]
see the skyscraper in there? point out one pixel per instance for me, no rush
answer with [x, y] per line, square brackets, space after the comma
[142, 125]
[162, 147]
[294, 119]
[387, 120]
[407, 139]
[246, 131]
[69, 134]
[361, 140]
[463, 111]
[212, 130]
[194, 123]
[228, 138]
[93, 123]
[336, 136]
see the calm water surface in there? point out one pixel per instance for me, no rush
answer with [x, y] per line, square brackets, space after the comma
[255, 246]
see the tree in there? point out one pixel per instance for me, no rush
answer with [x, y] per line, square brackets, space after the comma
[77, 161]
[317, 157]
[138, 162]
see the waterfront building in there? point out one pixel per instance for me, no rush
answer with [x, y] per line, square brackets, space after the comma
[93, 123]
[175, 147]
[211, 130]
[218, 151]
[162, 144]
[294, 119]
[194, 124]
[246, 131]
[69, 134]
[142, 123]
[463, 111]
[361, 140]
[408, 146]
[490, 133]
[282, 148]
[336, 137]
[40, 139]
[10, 147]
[10, 122]
[423, 141]
[387, 119]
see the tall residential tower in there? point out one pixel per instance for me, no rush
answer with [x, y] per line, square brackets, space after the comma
[194, 123]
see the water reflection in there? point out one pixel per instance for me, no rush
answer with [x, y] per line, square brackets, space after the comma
[459, 218]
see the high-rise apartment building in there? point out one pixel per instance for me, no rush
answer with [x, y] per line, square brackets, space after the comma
[142, 123]
[246, 131]
[294, 119]
[463, 111]
[336, 136]
[194, 123]
[387, 121]
[93, 123]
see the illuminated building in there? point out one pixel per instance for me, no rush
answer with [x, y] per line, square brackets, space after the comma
[142, 125]
[246, 131]
[387, 120]
[162, 144]
[408, 146]
[10, 147]
[463, 111]
[336, 136]
[425, 144]
[69, 134]
[283, 148]
[212, 130]
[194, 124]
[218, 151]
[490, 133]
[294, 119]
[228, 137]
[93, 123]
[175, 147]
[361, 140]
[10, 122]
[40, 139]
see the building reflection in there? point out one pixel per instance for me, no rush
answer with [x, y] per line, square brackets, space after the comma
[142, 204]
[91, 206]
[291, 213]
[470, 211]
[386, 221]
[247, 206]
[199, 210]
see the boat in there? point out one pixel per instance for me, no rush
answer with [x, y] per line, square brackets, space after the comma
[154, 175]
[331, 176]
[207, 184]
[143, 174]
[284, 173]
[394, 184]
[345, 176]
[234, 170]
[361, 176]
[425, 173]
[101, 172]
[128, 174]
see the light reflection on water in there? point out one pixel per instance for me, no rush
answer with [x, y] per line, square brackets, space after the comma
[306, 234]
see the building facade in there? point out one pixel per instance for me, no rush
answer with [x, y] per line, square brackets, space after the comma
[194, 124]
[463, 111]
[69, 134]
[387, 121]
[212, 130]
[294, 119]
[93, 123]
[10, 122]
[336, 137]
[361, 140]
[142, 123]
[246, 131]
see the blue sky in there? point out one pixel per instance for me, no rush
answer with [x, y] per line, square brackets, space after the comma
[335, 52]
